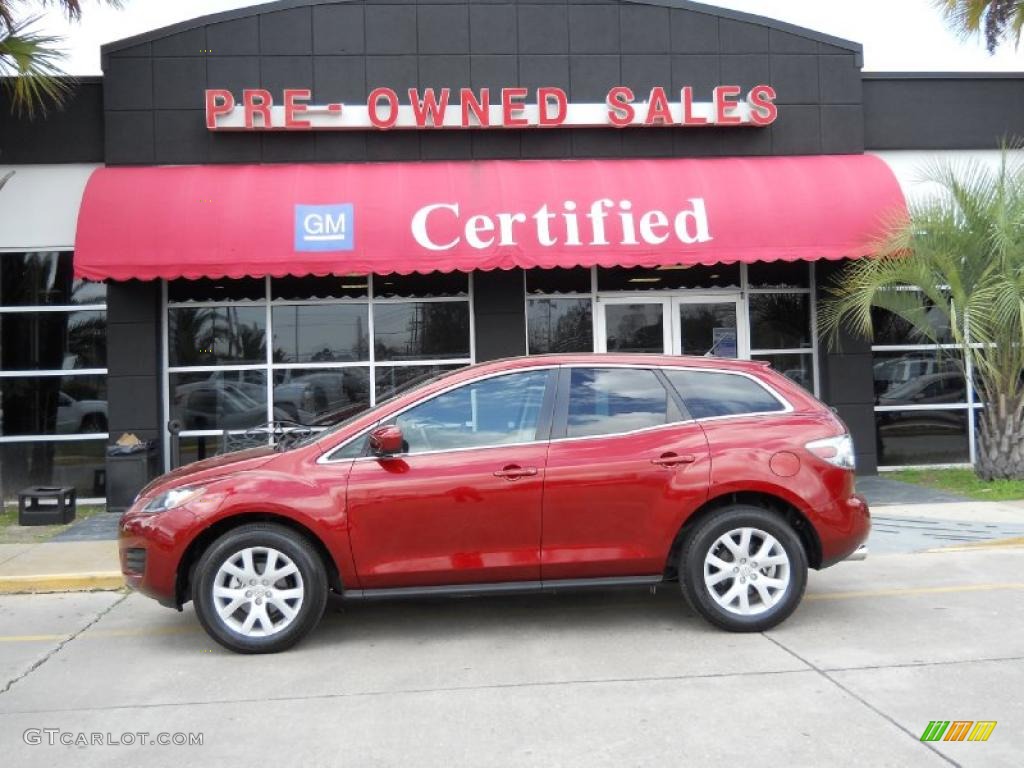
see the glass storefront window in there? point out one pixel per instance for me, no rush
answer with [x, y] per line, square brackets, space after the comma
[778, 274]
[32, 341]
[311, 287]
[80, 464]
[317, 396]
[53, 405]
[796, 367]
[419, 286]
[391, 380]
[209, 290]
[919, 377]
[321, 333]
[922, 437]
[780, 320]
[668, 278]
[560, 325]
[421, 330]
[216, 335]
[220, 399]
[45, 278]
[553, 281]
[892, 330]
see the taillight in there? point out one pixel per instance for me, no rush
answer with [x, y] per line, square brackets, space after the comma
[837, 451]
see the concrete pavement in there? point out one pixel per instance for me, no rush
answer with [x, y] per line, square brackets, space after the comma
[878, 650]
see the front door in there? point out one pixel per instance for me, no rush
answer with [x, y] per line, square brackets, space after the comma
[462, 504]
[694, 324]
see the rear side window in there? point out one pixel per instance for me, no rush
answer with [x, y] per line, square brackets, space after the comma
[606, 401]
[707, 394]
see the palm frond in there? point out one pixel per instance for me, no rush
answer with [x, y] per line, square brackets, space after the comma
[31, 64]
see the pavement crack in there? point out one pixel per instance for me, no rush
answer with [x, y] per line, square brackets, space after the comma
[861, 699]
[60, 646]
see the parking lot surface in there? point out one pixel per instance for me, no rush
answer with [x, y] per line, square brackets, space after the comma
[877, 650]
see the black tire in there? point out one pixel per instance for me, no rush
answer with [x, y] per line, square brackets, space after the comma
[704, 537]
[310, 568]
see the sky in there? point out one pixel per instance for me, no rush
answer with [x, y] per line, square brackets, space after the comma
[898, 35]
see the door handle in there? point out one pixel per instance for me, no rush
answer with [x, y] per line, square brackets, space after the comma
[673, 459]
[514, 471]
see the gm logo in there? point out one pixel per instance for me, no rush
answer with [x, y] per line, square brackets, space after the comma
[324, 227]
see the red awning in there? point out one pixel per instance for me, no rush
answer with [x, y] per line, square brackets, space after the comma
[248, 220]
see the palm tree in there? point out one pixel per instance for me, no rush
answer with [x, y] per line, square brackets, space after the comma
[30, 61]
[959, 253]
[998, 19]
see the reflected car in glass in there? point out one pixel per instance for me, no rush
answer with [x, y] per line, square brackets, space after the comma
[527, 474]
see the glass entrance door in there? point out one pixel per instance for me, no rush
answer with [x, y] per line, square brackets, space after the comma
[678, 325]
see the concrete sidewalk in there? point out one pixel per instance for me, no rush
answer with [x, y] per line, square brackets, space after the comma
[68, 565]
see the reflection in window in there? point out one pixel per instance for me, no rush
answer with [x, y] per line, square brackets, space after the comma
[780, 321]
[604, 401]
[321, 396]
[923, 377]
[80, 464]
[496, 411]
[212, 335]
[394, 380]
[45, 279]
[922, 437]
[220, 400]
[53, 340]
[421, 330]
[635, 328]
[53, 405]
[560, 325]
[892, 330]
[708, 394]
[668, 277]
[795, 367]
[321, 333]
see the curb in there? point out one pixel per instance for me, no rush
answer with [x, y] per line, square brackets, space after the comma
[974, 546]
[62, 582]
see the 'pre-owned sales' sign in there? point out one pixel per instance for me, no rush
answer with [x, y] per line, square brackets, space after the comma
[466, 108]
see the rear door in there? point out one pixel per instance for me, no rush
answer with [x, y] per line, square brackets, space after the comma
[626, 466]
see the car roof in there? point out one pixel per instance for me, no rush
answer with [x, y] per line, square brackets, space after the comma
[614, 358]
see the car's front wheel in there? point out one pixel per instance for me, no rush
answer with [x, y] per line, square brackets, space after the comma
[743, 569]
[259, 588]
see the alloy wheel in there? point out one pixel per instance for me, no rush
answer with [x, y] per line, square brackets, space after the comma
[746, 571]
[258, 591]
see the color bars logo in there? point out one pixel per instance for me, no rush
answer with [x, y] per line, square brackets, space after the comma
[958, 730]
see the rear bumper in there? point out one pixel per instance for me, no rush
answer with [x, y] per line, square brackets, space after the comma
[843, 529]
[860, 553]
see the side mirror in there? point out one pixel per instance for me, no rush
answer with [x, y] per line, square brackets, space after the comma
[386, 441]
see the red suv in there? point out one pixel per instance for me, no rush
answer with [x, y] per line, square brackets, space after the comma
[526, 474]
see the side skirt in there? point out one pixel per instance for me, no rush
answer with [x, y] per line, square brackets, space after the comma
[500, 588]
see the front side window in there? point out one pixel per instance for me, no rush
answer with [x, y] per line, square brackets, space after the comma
[498, 411]
[708, 394]
[606, 401]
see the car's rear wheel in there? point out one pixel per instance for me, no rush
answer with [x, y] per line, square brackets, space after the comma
[743, 569]
[259, 588]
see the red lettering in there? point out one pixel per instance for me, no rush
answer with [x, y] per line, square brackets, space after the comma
[429, 107]
[724, 98]
[620, 108]
[762, 105]
[688, 117]
[511, 103]
[544, 99]
[657, 108]
[373, 104]
[481, 108]
[218, 102]
[292, 108]
[257, 101]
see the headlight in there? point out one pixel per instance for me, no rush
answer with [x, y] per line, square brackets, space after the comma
[837, 451]
[173, 498]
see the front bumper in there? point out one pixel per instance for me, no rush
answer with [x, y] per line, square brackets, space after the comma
[151, 546]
